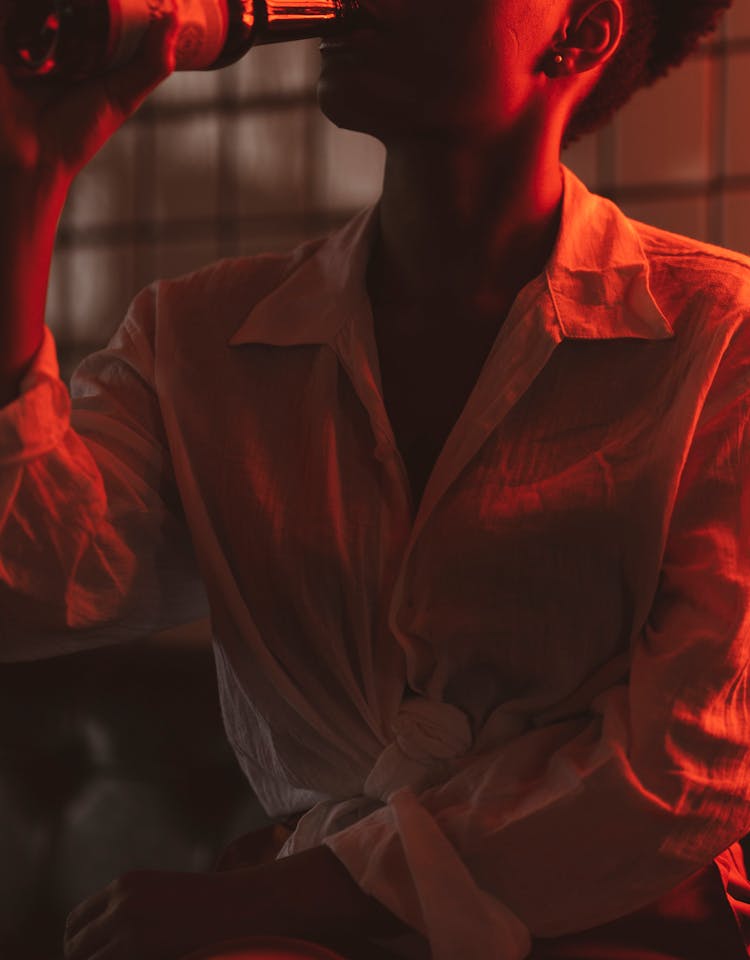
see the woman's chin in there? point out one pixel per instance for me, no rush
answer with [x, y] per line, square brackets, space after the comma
[348, 108]
[356, 99]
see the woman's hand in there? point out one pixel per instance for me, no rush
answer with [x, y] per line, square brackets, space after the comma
[50, 128]
[155, 915]
[150, 915]
[145, 915]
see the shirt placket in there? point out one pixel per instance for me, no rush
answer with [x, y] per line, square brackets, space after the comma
[523, 346]
[357, 353]
[521, 350]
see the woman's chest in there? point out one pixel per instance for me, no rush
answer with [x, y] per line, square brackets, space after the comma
[425, 389]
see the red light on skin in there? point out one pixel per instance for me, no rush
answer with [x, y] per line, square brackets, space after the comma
[47, 67]
[40, 69]
[50, 28]
[52, 22]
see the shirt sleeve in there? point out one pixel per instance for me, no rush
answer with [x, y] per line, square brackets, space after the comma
[591, 817]
[93, 543]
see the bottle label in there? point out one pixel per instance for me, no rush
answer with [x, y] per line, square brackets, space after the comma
[204, 25]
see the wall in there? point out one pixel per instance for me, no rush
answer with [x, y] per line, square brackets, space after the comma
[241, 160]
[678, 155]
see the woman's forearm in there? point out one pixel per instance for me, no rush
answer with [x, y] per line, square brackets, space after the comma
[324, 901]
[308, 896]
[29, 216]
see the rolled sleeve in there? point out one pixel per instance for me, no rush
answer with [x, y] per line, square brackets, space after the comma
[94, 547]
[35, 422]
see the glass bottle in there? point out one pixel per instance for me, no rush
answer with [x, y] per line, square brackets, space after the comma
[74, 39]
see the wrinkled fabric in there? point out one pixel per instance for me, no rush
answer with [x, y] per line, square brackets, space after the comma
[516, 710]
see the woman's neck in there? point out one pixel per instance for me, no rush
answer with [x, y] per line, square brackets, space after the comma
[462, 228]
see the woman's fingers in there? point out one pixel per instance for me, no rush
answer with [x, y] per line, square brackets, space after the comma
[128, 86]
[86, 911]
[51, 126]
[151, 915]
[91, 940]
[114, 950]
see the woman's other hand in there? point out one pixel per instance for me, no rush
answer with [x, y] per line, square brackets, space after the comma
[158, 915]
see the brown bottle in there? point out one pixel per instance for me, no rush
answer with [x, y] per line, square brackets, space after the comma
[74, 39]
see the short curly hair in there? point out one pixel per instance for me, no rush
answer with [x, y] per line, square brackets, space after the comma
[659, 35]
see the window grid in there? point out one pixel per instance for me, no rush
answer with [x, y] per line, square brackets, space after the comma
[241, 160]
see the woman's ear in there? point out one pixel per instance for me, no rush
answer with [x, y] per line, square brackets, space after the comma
[591, 36]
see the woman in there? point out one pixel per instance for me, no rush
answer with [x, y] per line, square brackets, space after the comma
[464, 487]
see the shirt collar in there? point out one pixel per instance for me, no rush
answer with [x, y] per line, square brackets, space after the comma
[319, 297]
[598, 275]
[597, 278]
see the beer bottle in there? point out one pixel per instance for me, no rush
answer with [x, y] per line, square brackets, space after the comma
[75, 39]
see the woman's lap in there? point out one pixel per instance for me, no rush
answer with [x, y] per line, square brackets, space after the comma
[692, 922]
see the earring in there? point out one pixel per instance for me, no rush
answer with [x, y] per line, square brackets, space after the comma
[556, 65]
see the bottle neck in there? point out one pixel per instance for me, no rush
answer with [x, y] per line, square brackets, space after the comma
[290, 19]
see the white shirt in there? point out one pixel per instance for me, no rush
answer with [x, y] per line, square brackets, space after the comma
[569, 606]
